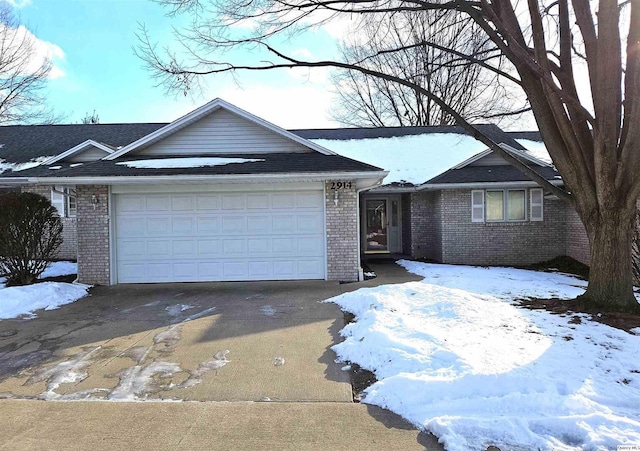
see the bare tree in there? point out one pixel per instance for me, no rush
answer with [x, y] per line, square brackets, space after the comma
[594, 144]
[92, 118]
[396, 46]
[23, 74]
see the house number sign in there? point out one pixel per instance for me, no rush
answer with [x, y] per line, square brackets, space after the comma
[341, 185]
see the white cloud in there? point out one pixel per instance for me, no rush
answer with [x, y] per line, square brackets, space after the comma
[41, 50]
[18, 3]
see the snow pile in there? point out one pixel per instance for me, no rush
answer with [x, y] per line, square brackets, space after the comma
[454, 356]
[62, 268]
[190, 162]
[24, 300]
[414, 158]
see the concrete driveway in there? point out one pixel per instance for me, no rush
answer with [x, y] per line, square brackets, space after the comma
[262, 341]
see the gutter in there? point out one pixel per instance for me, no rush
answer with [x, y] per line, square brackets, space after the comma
[438, 186]
[228, 178]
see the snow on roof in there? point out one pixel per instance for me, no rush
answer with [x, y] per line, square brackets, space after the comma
[414, 158]
[190, 162]
[537, 149]
[6, 166]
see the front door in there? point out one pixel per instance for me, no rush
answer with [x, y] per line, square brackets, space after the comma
[382, 228]
[376, 225]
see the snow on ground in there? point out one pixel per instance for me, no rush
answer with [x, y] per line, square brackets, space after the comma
[416, 159]
[190, 162]
[24, 300]
[62, 268]
[456, 356]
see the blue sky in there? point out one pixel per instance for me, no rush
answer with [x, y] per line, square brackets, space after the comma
[92, 42]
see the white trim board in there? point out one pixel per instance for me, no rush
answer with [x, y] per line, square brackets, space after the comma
[79, 149]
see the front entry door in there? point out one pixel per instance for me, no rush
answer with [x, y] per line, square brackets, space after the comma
[382, 224]
[376, 226]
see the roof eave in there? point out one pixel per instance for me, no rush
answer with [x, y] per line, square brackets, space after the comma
[520, 183]
[363, 178]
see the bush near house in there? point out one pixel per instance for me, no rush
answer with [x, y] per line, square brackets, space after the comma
[30, 235]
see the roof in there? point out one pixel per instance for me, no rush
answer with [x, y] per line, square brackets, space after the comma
[490, 174]
[23, 143]
[339, 134]
[533, 135]
[272, 163]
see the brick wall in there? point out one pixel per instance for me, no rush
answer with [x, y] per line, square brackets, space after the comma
[342, 234]
[426, 237]
[577, 239]
[500, 243]
[93, 235]
[69, 248]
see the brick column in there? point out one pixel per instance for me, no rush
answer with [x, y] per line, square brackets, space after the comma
[93, 234]
[342, 233]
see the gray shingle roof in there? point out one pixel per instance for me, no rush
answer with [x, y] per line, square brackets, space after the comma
[22, 143]
[484, 174]
[276, 163]
[530, 135]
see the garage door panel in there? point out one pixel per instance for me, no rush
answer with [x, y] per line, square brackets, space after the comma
[208, 202]
[233, 224]
[312, 200]
[208, 248]
[283, 201]
[184, 249]
[182, 226]
[158, 226]
[234, 247]
[233, 201]
[258, 246]
[284, 245]
[132, 226]
[159, 249]
[258, 201]
[158, 203]
[220, 236]
[182, 203]
[208, 226]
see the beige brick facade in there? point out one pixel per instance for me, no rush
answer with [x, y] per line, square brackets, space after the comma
[93, 234]
[577, 239]
[441, 230]
[342, 233]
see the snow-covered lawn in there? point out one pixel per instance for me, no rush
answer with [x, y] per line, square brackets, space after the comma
[19, 301]
[455, 355]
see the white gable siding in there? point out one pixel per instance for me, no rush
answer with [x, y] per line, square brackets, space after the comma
[492, 159]
[91, 154]
[222, 132]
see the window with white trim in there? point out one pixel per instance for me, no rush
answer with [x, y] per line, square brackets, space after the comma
[64, 200]
[506, 205]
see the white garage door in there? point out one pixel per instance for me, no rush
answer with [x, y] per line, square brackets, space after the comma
[219, 236]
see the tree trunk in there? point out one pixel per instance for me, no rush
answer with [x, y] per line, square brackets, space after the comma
[610, 275]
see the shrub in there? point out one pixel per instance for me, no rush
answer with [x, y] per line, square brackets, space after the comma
[30, 235]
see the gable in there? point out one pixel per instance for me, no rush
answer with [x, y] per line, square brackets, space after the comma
[493, 159]
[91, 153]
[222, 132]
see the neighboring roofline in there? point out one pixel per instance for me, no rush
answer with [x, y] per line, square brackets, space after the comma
[508, 148]
[229, 178]
[77, 149]
[521, 183]
[204, 110]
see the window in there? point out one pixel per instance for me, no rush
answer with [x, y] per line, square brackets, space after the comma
[64, 200]
[499, 205]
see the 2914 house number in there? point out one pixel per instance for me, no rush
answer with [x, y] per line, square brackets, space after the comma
[341, 185]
